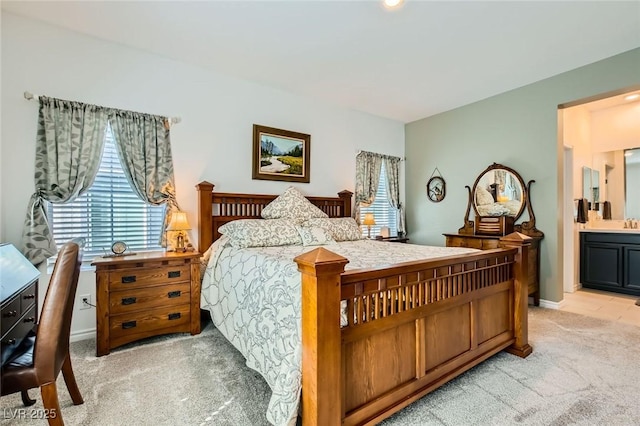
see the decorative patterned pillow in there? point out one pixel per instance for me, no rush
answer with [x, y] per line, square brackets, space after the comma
[291, 204]
[483, 196]
[314, 235]
[244, 233]
[340, 228]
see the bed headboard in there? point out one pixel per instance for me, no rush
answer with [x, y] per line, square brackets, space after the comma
[217, 208]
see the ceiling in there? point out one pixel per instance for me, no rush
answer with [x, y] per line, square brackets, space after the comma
[421, 59]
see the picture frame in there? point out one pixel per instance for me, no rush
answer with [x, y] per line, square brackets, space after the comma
[280, 154]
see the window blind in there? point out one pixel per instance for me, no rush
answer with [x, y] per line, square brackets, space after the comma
[109, 211]
[383, 213]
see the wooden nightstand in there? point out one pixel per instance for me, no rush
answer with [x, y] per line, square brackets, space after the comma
[144, 295]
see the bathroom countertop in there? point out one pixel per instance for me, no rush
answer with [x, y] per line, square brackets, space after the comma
[612, 230]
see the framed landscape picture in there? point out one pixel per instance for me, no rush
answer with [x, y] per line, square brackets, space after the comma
[280, 154]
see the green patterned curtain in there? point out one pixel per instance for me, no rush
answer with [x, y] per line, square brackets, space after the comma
[68, 151]
[392, 166]
[144, 149]
[368, 168]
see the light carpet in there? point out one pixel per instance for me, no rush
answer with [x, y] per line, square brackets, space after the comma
[583, 371]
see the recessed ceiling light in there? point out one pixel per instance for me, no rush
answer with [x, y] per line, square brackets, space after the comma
[632, 97]
[392, 4]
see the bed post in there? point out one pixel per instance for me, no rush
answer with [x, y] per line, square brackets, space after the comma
[205, 233]
[522, 242]
[346, 198]
[321, 337]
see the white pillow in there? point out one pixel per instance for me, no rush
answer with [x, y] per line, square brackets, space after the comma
[340, 228]
[291, 204]
[483, 196]
[314, 236]
[244, 233]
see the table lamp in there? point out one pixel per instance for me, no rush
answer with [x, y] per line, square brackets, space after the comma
[179, 224]
[369, 220]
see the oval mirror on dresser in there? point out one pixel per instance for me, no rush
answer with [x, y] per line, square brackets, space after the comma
[498, 191]
[498, 198]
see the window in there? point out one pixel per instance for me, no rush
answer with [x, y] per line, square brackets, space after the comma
[109, 211]
[383, 212]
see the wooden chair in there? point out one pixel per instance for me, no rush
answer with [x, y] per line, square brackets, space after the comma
[39, 364]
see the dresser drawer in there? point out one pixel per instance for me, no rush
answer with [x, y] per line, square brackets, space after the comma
[10, 314]
[149, 297]
[464, 242]
[22, 327]
[145, 321]
[28, 297]
[488, 244]
[144, 277]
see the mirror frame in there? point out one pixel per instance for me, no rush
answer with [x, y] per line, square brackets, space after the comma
[494, 167]
[527, 228]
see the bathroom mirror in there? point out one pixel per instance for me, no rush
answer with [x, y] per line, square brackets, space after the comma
[631, 177]
[614, 177]
[591, 184]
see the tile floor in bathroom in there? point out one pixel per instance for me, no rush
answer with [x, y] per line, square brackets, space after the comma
[604, 305]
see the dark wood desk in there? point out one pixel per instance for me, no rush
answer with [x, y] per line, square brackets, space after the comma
[19, 293]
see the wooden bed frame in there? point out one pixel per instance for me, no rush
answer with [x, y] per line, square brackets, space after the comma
[412, 326]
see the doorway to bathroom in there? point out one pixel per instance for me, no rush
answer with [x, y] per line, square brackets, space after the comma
[594, 135]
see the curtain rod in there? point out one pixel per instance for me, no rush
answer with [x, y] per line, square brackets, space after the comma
[32, 97]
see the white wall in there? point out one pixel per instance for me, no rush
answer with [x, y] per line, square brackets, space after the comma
[616, 128]
[213, 142]
[577, 134]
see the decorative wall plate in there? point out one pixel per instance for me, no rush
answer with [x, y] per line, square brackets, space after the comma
[436, 189]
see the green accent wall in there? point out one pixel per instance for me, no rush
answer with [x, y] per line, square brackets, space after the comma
[518, 129]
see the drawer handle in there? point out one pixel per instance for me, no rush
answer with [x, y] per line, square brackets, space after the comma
[129, 324]
[174, 274]
[175, 316]
[29, 296]
[30, 319]
[128, 300]
[129, 279]
[11, 342]
[173, 294]
[10, 314]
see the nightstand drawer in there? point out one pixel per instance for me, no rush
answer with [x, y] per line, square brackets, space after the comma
[144, 277]
[151, 320]
[149, 297]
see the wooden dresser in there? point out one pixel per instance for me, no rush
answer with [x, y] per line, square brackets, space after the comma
[486, 242]
[146, 294]
[19, 292]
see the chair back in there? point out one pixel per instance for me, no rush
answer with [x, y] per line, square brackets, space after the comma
[54, 327]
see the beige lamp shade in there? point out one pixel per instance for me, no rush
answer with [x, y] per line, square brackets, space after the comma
[178, 222]
[369, 219]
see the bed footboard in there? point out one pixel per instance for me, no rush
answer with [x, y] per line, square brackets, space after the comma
[411, 328]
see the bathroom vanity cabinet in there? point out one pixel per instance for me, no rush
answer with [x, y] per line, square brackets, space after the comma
[610, 261]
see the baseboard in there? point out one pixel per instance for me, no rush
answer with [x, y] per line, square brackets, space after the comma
[551, 305]
[76, 336]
